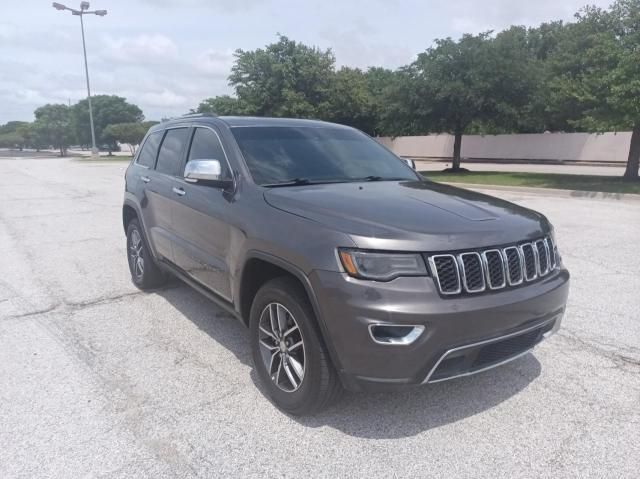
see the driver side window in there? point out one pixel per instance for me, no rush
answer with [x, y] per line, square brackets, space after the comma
[206, 146]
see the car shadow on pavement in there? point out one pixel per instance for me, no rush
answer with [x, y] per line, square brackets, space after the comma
[377, 416]
[417, 409]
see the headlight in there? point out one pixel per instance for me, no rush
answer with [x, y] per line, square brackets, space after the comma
[381, 266]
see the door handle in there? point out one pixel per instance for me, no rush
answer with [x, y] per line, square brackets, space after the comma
[146, 179]
[179, 191]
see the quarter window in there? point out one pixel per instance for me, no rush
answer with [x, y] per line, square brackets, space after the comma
[147, 156]
[170, 156]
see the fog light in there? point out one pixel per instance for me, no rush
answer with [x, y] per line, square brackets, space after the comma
[395, 335]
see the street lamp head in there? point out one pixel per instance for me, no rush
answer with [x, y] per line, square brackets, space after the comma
[84, 6]
[59, 6]
[101, 13]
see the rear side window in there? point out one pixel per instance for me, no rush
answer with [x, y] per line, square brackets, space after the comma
[206, 146]
[147, 156]
[170, 156]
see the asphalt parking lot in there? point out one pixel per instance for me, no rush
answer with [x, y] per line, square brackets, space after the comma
[98, 379]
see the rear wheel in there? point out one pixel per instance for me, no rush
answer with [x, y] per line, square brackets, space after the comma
[145, 273]
[288, 352]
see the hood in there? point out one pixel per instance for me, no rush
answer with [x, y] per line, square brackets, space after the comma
[412, 216]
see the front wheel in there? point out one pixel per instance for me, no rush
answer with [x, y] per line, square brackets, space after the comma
[288, 352]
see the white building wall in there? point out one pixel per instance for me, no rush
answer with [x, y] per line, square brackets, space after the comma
[572, 147]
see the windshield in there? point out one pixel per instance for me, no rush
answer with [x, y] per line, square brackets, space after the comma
[302, 155]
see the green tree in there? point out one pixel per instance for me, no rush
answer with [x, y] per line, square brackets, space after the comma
[350, 100]
[594, 74]
[11, 126]
[285, 78]
[380, 82]
[222, 105]
[11, 140]
[456, 84]
[14, 134]
[107, 110]
[53, 126]
[129, 133]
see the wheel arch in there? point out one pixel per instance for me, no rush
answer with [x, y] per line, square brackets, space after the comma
[129, 212]
[261, 267]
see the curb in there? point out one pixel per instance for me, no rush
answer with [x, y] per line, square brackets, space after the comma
[591, 195]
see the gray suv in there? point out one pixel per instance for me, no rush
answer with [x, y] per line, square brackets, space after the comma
[349, 269]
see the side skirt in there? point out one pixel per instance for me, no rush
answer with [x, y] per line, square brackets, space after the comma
[219, 300]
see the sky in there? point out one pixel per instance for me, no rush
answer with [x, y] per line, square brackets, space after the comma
[168, 55]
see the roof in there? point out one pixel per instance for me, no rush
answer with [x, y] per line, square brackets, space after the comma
[238, 121]
[245, 121]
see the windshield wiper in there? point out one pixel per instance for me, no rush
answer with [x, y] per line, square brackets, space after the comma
[377, 178]
[307, 181]
[294, 182]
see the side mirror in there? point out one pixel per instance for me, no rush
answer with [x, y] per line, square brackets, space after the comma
[208, 172]
[409, 162]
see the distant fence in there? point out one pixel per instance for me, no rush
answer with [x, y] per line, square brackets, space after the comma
[606, 148]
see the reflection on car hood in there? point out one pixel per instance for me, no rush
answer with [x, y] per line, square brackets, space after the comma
[411, 215]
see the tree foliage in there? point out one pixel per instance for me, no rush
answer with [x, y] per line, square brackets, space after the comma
[53, 126]
[594, 74]
[223, 105]
[128, 133]
[478, 80]
[285, 78]
[107, 110]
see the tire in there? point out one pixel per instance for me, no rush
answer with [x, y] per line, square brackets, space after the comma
[319, 385]
[145, 273]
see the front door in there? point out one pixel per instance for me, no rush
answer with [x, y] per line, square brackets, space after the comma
[201, 220]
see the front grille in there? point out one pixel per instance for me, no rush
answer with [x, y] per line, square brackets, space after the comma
[493, 269]
[501, 350]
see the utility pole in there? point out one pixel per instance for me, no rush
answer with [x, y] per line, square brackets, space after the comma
[84, 10]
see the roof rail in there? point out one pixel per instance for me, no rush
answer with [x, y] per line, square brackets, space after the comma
[197, 115]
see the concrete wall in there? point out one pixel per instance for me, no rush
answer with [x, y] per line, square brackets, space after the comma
[544, 147]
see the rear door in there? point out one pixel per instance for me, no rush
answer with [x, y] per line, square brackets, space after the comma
[202, 219]
[148, 188]
[161, 196]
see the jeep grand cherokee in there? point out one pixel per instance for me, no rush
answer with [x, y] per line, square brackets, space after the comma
[349, 268]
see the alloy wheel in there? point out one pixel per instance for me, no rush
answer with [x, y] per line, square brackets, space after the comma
[281, 347]
[136, 254]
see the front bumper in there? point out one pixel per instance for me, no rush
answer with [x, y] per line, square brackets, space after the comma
[473, 332]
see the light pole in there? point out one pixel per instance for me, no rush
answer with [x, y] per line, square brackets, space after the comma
[84, 10]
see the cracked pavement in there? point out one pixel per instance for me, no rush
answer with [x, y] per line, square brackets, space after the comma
[98, 379]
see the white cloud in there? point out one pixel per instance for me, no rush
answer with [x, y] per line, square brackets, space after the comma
[219, 5]
[354, 47]
[214, 62]
[472, 16]
[142, 48]
[164, 99]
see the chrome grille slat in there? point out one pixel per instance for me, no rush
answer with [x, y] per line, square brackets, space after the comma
[515, 265]
[530, 261]
[552, 252]
[543, 257]
[493, 269]
[472, 272]
[444, 268]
